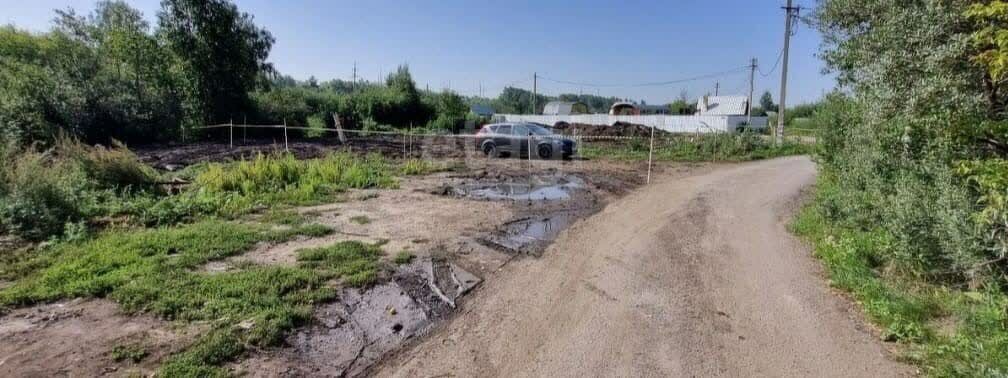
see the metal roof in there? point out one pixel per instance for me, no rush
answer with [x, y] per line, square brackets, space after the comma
[559, 108]
[723, 105]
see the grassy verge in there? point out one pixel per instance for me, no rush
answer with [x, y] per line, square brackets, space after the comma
[727, 147]
[157, 271]
[947, 332]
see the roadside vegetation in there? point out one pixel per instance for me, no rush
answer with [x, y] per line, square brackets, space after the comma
[715, 147]
[910, 213]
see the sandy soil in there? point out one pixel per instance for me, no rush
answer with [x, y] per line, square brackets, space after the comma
[76, 338]
[694, 276]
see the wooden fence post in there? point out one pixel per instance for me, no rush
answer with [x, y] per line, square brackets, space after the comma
[286, 148]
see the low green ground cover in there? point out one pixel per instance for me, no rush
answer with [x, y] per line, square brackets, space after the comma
[947, 331]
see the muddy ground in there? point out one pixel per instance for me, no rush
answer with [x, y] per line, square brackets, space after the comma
[462, 226]
[172, 157]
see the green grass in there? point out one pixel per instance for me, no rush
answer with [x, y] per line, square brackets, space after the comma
[155, 271]
[721, 147]
[284, 178]
[284, 217]
[403, 257]
[973, 342]
[144, 250]
[132, 353]
[354, 262]
[417, 167]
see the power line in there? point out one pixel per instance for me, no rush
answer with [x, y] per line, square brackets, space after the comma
[779, 55]
[651, 84]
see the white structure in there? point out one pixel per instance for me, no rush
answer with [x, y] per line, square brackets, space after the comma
[723, 105]
[670, 123]
[564, 108]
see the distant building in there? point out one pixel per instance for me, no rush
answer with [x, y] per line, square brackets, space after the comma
[481, 110]
[564, 108]
[624, 108]
[723, 105]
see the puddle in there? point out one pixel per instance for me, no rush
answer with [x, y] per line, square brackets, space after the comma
[354, 333]
[531, 235]
[536, 189]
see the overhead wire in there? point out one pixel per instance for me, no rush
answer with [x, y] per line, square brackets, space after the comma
[780, 56]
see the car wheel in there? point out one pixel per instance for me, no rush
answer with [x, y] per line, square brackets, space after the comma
[490, 149]
[545, 152]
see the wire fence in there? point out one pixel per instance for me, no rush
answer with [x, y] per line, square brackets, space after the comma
[470, 148]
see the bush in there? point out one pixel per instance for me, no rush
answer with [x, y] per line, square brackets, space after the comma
[41, 195]
[271, 178]
[43, 192]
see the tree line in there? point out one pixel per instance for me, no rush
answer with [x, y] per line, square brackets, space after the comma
[111, 75]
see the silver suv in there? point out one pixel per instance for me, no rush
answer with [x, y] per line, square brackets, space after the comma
[513, 139]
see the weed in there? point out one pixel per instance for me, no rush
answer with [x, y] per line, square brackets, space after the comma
[154, 271]
[284, 178]
[355, 262]
[416, 167]
[360, 219]
[133, 353]
[284, 217]
[717, 147]
[403, 257]
[906, 308]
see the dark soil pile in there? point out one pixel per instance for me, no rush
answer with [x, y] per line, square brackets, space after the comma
[618, 129]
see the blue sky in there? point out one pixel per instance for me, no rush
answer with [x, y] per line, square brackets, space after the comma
[466, 44]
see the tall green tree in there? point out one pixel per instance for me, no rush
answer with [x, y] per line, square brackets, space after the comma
[766, 102]
[221, 54]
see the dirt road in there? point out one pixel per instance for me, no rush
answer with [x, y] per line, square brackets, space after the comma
[690, 276]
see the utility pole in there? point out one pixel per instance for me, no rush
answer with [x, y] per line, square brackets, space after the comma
[717, 87]
[353, 87]
[535, 91]
[790, 13]
[752, 84]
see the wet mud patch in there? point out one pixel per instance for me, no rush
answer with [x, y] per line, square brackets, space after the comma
[531, 235]
[354, 333]
[79, 338]
[552, 187]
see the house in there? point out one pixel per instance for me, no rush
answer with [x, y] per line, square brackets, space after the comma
[564, 108]
[481, 110]
[723, 105]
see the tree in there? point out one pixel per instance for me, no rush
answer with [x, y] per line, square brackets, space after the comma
[220, 52]
[766, 102]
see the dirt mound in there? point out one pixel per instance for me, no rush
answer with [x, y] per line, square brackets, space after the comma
[617, 129]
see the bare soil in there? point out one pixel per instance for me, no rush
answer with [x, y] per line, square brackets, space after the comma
[693, 275]
[77, 337]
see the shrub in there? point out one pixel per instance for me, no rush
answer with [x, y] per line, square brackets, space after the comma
[284, 176]
[41, 195]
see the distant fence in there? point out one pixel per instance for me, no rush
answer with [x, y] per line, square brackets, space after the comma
[669, 123]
